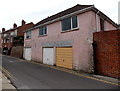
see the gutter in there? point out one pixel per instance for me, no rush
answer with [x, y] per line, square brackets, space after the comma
[105, 17]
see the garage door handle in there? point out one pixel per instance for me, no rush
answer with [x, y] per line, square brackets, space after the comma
[63, 60]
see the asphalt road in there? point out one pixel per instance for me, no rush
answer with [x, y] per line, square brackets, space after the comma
[26, 75]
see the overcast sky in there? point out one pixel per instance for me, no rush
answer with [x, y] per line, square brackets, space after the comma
[13, 11]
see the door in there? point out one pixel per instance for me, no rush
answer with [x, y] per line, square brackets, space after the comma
[48, 56]
[64, 57]
[27, 53]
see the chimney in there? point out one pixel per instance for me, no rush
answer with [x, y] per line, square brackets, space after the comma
[14, 25]
[23, 22]
[3, 29]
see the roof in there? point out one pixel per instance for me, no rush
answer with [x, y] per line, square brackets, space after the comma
[81, 8]
[12, 29]
[63, 13]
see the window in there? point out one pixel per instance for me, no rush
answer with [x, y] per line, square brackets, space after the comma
[69, 23]
[11, 39]
[43, 30]
[12, 33]
[102, 24]
[28, 34]
[74, 22]
[3, 40]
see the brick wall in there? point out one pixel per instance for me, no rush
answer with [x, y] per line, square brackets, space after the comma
[17, 51]
[8, 45]
[23, 28]
[107, 53]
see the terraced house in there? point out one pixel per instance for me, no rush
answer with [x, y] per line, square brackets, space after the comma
[65, 39]
[10, 37]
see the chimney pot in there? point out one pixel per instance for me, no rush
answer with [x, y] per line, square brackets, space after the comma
[3, 29]
[14, 25]
[23, 22]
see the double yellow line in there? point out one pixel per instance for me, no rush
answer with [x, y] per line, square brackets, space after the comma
[7, 73]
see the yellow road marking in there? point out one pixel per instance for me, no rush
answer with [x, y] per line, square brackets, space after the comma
[7, 73]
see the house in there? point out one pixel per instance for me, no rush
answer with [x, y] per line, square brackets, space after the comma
[65, 39]
[9, 36]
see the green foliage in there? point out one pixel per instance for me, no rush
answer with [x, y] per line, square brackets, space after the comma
[18, 41]
[19, 38]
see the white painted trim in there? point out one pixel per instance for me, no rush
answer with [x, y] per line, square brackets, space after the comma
[71, 23]
[97, 23]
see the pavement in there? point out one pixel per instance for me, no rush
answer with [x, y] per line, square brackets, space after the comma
[5, 83]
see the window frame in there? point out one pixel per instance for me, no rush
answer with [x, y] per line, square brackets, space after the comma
[102, 25]
[42, 27]
[71, 20]
[29, 34]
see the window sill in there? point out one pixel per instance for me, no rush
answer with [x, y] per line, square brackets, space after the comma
[42, 35]
[74, 29]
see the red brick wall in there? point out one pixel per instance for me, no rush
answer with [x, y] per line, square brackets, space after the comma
[107, 53]
[8, 45]
[21, 29]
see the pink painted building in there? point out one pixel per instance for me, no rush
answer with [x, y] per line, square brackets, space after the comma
[65, 39]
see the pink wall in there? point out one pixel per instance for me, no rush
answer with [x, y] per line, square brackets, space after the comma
[109, 26]
[82, 41]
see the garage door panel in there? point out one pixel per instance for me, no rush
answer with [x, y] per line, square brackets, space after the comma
[65, 66]
[67, 54]
[48, 56]
[27, 53]
[64, 57]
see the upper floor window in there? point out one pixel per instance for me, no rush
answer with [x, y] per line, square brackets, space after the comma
[102, 24]
[43, 30]
[69, 23]
[28, 34]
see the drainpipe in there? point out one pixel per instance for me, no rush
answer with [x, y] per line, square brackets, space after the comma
[97, 27]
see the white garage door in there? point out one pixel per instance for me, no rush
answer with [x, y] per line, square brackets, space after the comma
[48, 56]
[27, 53]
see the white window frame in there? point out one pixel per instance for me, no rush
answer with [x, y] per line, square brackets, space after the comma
[71, 24]
[29, 33]
[46, 30]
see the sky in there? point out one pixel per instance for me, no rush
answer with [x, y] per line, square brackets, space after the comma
[13, 11]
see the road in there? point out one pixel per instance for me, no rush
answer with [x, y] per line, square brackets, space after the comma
[26, 75]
